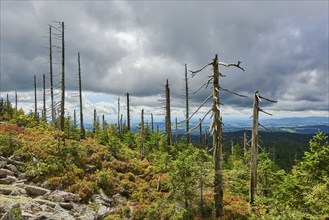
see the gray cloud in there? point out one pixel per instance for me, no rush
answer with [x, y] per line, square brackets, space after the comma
[135, 46]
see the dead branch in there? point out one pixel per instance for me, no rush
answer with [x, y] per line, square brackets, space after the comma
[195, 127]
[204, 102]
[206, 84]
[197, 71]
[265, 127]
[232, 64]
[261, 110]
[226, 90]
[269, 100]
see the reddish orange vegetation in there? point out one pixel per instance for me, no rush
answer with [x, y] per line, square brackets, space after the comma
[11, 128]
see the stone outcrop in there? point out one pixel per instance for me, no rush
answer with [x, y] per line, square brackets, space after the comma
[22, 200]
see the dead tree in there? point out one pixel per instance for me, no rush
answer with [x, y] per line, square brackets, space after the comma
[168, 116]
[254, 145]
[62, 117]
[74, 118]
[244, 143]
[152, 125]
[95, 122]
[119, 129]
[35, 98]
[142, 132]
[187, 107]
[44, 116]
[216, 127]
[201, 172]
[176, 130]
[82, 129]
[51, 78]
[16, 100]
[128, 112]
[103, 122]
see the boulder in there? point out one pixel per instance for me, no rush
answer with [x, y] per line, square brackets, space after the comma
[119, 199]
[102, 212]
[13, 168]
[61, 196]
[5, 172]
[35, 190]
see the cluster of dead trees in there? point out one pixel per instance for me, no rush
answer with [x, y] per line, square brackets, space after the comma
[57, 112]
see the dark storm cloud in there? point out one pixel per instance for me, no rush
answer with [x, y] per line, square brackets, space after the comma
[135, 46]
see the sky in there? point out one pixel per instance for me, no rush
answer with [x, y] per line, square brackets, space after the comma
[135, 46]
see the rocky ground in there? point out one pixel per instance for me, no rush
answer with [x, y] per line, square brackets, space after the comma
[20, 199]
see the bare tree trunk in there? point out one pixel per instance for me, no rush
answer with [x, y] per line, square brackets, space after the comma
[168, 120]
[63, 81]
[51, 78]
[16, 101]
[244, 143]
[217, 141]
[201, 174]
[44, 115]
[254, 146]
[152, 125]
[82, 129]
[103, 122]
[119, 129]
[187, 107]
[74, 118]
[95, 122]
[232, 147]
[128, 112]
[35, 98]
[176, 130]
[142, 133]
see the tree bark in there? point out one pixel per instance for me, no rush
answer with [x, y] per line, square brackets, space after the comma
[187, 107]
[217, 141]
[63, 82]
[254, 146]
[82, 129]
[168, 120]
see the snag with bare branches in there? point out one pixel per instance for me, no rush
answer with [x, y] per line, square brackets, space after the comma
[82, 129]
[216, 126]
[254, 145]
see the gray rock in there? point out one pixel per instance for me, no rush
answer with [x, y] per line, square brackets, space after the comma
[119, 199]
[13, 168]
[3, 164]
[102, 212]
[66, 205]
[22, 176]
[5, 172]
[6, 189]
[12, 179]
[35, 190]
[61, 196]
[18, 191]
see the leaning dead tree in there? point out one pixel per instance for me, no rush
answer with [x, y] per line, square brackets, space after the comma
[216, 126]
[82, 129]
[254, 144]
[168, 117]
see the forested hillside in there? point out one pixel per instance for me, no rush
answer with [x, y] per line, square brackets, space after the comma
[125, 175]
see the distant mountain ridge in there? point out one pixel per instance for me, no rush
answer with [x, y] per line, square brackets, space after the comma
[300, 125]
